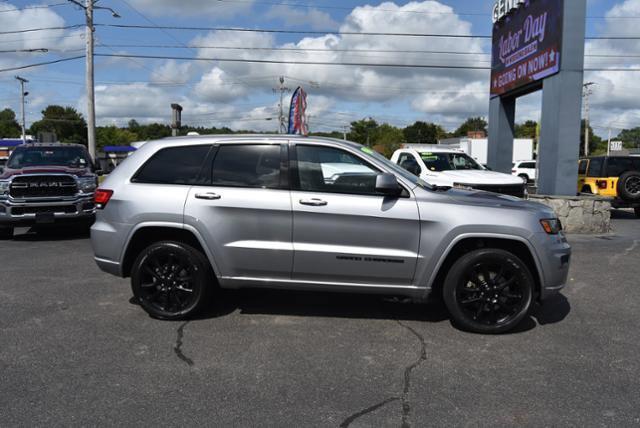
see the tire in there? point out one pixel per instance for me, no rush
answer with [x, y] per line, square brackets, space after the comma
[6, 232]
[629, 186]
[587, 190]
[525, 178]
[171, 280]
[466, 291]
[637, 211]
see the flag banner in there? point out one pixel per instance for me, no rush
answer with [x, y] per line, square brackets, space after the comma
[298, 113]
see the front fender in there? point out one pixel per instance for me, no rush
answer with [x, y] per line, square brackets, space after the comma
[429, 271]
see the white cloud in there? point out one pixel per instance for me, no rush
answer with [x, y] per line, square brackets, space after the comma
[216, 87]
[15, 20]
[173, 72]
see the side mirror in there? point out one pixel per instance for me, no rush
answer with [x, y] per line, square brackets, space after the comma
[387, 185]
[411, 166]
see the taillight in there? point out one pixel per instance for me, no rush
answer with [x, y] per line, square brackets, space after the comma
[101, 197]
[513, 171]
[602, 184]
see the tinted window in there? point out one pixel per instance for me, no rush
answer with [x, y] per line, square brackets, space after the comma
[71, 156]
[528, 165]
[448, 161]
[175, 165]
[582, 167]
[595, 167]
[408, 162]
[325, 169]
[247, 166]
[617, 166]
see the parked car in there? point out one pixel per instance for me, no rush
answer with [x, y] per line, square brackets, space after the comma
[617, 177]
[186, 215]
[526, 170]
[454, 168]
[47, 183]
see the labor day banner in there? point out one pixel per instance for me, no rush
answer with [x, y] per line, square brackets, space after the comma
[527, 45]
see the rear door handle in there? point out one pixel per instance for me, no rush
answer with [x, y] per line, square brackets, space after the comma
[208, 196]
[314, 202]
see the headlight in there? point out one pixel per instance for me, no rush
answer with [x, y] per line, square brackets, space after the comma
[87, 184]
[4, 188]
[551, 226]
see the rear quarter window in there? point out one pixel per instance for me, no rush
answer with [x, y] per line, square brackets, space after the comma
[174, 165]
[618, 166]
[595, 167]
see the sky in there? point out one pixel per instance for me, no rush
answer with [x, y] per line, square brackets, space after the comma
[241, 95]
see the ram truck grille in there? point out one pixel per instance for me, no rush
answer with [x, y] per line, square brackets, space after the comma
[43, 186]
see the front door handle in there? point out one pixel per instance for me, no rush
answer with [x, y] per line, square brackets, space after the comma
[208, 196]
[314, 202]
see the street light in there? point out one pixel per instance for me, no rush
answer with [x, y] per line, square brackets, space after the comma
[89, 7]
[23, 94]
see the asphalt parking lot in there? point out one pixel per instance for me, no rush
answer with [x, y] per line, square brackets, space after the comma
[74, 351]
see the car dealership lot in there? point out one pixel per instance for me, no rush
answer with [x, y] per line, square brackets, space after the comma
[74, 351]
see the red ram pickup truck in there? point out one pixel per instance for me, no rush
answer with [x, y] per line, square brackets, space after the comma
[47, 183]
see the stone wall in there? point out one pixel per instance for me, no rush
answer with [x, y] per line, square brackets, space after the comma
[580, 214]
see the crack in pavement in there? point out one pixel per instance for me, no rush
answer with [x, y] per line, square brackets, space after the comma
[178, 346]
[406, 407]
[373, 408]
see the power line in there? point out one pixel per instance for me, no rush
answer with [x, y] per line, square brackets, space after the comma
[22, 67]
[267, 61]
[30, 30]
[44, 6]
[355, 64]
[254, 30]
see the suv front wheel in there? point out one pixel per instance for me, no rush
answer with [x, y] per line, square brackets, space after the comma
[6, 232]
[488, 291]
[171, 280]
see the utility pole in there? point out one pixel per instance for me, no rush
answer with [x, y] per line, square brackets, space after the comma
[89, 7]
[587, 93]
[344, 132]
[22, 95]
[281, 117]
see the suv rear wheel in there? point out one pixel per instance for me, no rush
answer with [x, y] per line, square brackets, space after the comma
[488, 291]
[171, 280]
[629, 186]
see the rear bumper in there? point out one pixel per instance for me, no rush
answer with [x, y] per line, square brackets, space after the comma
[17, 212]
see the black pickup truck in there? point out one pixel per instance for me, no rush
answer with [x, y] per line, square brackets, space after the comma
[47, 183]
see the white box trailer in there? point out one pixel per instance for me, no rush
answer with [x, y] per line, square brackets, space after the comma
[478, 148]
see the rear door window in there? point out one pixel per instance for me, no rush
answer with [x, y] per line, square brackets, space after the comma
[174, 165]
[617, 166]
[248, 165]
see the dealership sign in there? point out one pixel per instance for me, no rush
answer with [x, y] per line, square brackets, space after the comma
[527, 43]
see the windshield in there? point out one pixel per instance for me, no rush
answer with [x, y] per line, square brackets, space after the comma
[449, 161]
[396, 169]
[48, 156]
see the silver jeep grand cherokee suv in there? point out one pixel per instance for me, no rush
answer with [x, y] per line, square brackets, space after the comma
[183, 216]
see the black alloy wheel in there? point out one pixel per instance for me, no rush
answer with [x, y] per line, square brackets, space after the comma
[171, 280]
[488, 291]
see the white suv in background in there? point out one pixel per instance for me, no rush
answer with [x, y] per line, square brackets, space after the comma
[454, 168]
[525, 170]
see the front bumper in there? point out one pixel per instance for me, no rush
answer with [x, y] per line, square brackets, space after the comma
[29, 211]
[554, 254]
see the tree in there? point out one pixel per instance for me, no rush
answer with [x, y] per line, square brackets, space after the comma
[68, 125]
[424, 133]
[470, 125]
[363, 131]
[388, 139]
[529, 129]
[9, 126]
[114, 136]
[630, 138]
